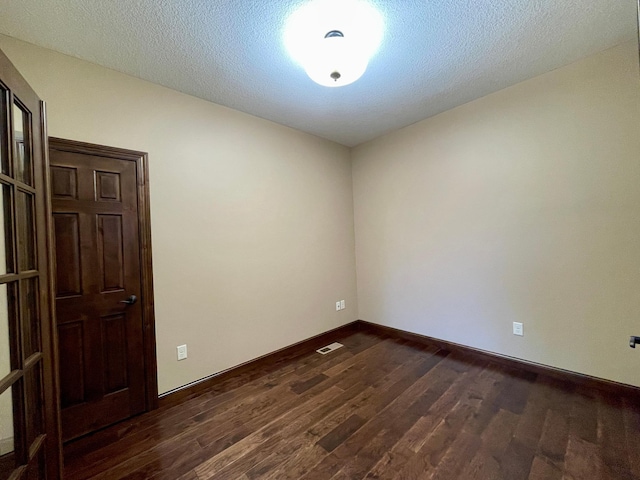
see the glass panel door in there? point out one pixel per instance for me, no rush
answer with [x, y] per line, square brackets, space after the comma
[29, 446]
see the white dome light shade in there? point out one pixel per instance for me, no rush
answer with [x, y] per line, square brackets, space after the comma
[334, 63]
[358, 29]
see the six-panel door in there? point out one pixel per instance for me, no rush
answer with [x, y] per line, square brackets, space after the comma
[100, 331]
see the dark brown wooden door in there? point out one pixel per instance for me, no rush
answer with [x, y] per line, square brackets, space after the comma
[100, 327]
[29, 440]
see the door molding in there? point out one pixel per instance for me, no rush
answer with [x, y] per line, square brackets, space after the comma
[141, 160]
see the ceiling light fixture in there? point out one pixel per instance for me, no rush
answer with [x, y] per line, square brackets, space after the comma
[333, 40]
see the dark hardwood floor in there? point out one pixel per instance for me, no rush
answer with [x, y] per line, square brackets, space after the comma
[382, 409]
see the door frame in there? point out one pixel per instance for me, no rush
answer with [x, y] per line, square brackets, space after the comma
[141, 160]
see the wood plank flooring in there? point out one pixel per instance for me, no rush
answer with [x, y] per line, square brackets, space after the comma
[378, 408]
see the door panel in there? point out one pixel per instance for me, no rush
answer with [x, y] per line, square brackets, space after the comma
[114, 332]
[67, 235]
[71, 347]
[108, 187]
[64, 182]
[111, 253]
[29, 439]
[95, 211]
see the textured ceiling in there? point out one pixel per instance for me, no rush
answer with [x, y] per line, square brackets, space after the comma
[435, 55]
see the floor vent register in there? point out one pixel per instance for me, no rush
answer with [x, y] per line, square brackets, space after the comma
[329, 348]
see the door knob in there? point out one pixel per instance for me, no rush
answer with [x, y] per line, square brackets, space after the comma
[633, 341]
[131, 300]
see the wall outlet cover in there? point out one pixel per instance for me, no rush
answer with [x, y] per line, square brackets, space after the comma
[342, 306]
[182, 352]
[518, 329]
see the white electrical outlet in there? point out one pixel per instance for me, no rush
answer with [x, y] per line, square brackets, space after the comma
[518, 329]
[182, 352]
[338, 307]
[342, 307]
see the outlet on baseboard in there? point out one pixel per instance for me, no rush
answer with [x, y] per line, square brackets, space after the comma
[518, 329]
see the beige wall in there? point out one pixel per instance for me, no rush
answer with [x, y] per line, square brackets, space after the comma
[520, 206]
[252, 222]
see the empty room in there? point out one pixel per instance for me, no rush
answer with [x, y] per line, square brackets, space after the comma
[320, 239]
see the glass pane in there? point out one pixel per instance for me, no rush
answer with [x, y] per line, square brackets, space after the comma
[30, 317]
[4, 154]
[22, 146]
[7, 457]
[33, 384]
[6, 245]
[26, 238]
[7, 326]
